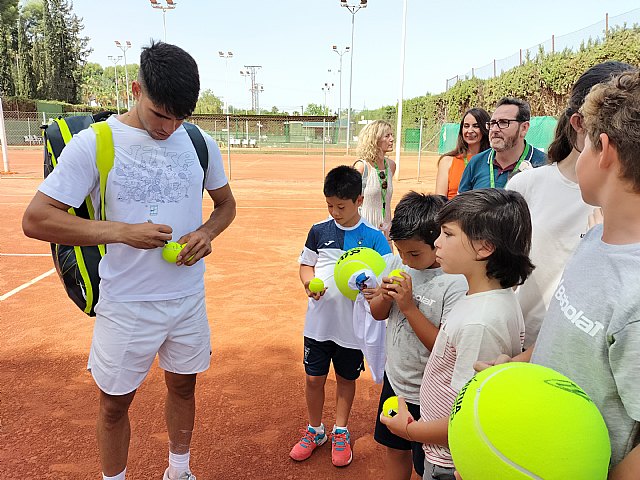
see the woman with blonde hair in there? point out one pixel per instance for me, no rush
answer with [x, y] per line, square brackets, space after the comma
[374, 142]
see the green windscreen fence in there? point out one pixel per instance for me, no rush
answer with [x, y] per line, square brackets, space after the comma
[540, 134]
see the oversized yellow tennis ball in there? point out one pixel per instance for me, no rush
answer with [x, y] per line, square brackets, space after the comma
[521, 421]
[390, 407]
[351, 261]
[396, 273]
[171, 251]
[316, 285]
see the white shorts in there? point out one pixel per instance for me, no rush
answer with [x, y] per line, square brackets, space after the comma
[128, 335]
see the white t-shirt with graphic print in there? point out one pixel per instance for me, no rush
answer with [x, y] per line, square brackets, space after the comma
[151, 180]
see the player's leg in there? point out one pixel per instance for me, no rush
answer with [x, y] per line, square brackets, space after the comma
[347, 363]
[317, 360]
[185, 353]
[123, 347]
[113, 432]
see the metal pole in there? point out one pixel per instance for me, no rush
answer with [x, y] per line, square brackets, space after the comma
[164, 23]
[353, 16]
[3, 138]
[228, 147]
[117, 95]
[399, 125]
[420, 147]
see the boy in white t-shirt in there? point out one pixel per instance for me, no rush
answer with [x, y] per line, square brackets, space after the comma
[485, 236]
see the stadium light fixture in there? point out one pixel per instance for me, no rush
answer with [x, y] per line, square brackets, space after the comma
[353, 9]
[168, 5]
[115, 61]
[124, 48]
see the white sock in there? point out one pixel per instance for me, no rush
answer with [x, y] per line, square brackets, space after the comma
[319, 429]
[178, 464]
[337, 426]
[119, 476]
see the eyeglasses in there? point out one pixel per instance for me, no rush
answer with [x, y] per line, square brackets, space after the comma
[502, 124]
[383, 178]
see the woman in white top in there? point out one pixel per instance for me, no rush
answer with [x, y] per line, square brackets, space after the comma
[559, 216]
[374, 142]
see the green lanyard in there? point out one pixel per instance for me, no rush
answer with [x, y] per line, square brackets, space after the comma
[492, 154]
[466, 160]
[383, 191]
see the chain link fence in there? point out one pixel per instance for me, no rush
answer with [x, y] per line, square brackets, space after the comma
[570, 41]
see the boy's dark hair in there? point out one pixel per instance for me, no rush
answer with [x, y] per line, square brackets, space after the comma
[524, 110]
[500, 218]
[415, 217]
[169, 76]
[343, 182]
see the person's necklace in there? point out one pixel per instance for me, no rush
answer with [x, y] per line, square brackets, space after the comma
[492, 154]
[382, 178]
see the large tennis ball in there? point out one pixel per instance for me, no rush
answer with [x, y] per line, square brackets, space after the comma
[351, 261]
[520, 421]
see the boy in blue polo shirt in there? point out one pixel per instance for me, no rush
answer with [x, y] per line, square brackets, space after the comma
[329, 336]
[509, 153]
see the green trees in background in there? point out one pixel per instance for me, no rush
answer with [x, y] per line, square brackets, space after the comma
[42, 52]
[545, 82]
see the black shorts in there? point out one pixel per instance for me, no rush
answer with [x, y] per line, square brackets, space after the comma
[347, 362]
[383, 436]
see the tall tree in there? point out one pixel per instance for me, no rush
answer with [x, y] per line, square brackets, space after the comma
[6, 81]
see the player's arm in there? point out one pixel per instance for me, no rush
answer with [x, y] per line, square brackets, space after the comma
[403, 425]
[307, 273]
[442, 177]
[629, 468]
[48, 219]
[199, 242]
[502, 358]
[380, 305]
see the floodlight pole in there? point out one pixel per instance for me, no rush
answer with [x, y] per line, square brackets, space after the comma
[124, 48]
[398, 138]
[170, 5]
[340, 53]
[226, 57]
[115, 61]
[326, 88]
[3, 138]
[353, 9]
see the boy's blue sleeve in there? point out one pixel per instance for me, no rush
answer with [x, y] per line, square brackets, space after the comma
[382, 245]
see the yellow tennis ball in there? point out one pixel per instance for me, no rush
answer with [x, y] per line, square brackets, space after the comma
[171, 251]
[390, 407]
[396, 273]
[351, 261]
[316, 285]
[520, 421]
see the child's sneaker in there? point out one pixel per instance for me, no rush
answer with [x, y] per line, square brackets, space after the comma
[307, 444]
[184, 476]
[341, 455]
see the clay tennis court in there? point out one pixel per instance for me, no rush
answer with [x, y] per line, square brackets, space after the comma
[250, 403]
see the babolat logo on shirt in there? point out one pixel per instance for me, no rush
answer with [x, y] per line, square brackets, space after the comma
[574, 315]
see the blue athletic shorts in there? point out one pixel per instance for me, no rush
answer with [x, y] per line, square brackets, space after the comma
[347, 362]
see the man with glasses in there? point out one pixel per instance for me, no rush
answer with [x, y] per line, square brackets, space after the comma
[509, 153]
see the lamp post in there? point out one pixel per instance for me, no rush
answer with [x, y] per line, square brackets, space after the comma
[124, 48]
[340, 53]
[326, 88]
[256, 88]
[169, 5]
[226, 57]
[353, 9]
[399, 125]
[115, 61]
[246, 74]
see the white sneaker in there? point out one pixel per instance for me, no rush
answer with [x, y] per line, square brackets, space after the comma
[184, 476]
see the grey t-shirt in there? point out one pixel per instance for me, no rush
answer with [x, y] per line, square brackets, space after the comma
[591, 333]
[434, 292]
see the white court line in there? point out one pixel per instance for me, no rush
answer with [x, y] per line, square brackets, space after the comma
[25, 254]
[25, 285]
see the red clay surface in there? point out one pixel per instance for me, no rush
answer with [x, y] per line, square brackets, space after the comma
[250, 403]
